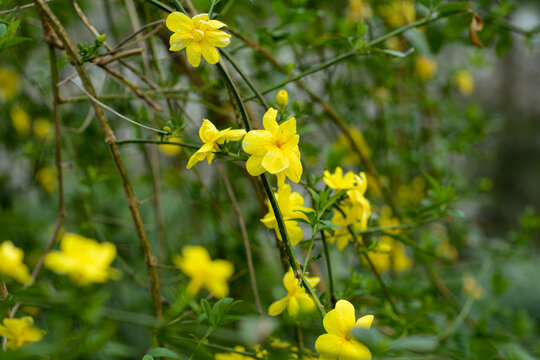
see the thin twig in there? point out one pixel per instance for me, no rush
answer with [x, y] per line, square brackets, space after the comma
[17, 8]
[159, 142]
[245, 239]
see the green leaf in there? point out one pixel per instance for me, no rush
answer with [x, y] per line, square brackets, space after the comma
[164, 352]
[207, 311]
[450, 7]
[417, 343]
[3, 30]
[148, 357]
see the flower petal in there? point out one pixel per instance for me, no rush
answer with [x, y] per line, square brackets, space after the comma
[354, 350]
[254, 165]
[329, 346]
[294, 306]
[269, 121]
[209, 53]
[202, 16]
[288, 128]
[178, 42]
[295, 232]
[194, 53]
[275, 161]
[178, 21]
[216, 24]
[290, 281]
[208, 131]
[365, 321]
[218, 38]
[294, 171]
[347, 311]
[258, 142]
[278, 307]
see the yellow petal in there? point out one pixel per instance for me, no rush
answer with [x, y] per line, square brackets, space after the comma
[194, 53]
[216, 24]
[365, 321]
[254, 165]
[269, 121]
[294, 306]
[307, 304]
[294, 171]
[258, 142]
[207, 131]
[314, 281]
[192, 161]
[290, 281]
[340, 320]
[329, 346]
[295, 232]
[275, 161]
[209, 53]
[236, 135]
[278, 307]
[178, 21]
[178, 42]
[354, 350]
[203, 17]
[218, 38]
[347, 310]
[288, 128]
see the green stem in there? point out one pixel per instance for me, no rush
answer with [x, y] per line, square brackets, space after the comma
[179, 6]
[160, 5]
[143, 141]
[329, 269]
[308, 254]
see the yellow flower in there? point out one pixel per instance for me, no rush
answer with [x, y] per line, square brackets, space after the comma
[282, 99]
[85, 260]
[399, 12]
[339, 182]
[358, 10]
[233, 355]
[204, 272]
[274, 149]
[46, 177]
[199, 35]
[338, 343]
[41, 128]
[464, 81]
[19, 332]
[8, 84]
[11, 262]
[342, 147]
[290, 204]
[212, 137]
[425, 68]
[471, 287]
[297, 300]
[171, 150]
[20, 120]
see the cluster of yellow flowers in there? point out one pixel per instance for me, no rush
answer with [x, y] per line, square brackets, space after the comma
[355, 210]
[22, 123]
[297, 300]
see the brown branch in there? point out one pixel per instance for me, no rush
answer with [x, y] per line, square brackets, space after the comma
[110, 140]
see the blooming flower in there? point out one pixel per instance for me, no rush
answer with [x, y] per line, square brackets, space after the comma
[42, 128]
[464, 81]
[290, 204]
[424, 67]
[199, 35]
[212, 137]
[19, 332]
[204, 272]
[297, 300]
[85, 260]
[274, 149]
[20, 120]
[46, 177]
[337, 181]
[11, 262]
[338, 343]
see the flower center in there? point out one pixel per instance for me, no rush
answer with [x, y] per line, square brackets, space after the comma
[198, 35]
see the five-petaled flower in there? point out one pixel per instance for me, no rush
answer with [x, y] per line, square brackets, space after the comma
[199, 35]
[212, 137]
[196, 263]
[290, 204]
[297, 300]
[85, 260]
[339, 344]
[19, 332]
[11, 262]
[274, 149]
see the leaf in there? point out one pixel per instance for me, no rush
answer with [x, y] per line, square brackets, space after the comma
[148, 357]
[477, 24]
[453, 7]
[164, 352]
[395, 53]
[3, 30]
[418, 343]
[207, 311]
[418, 40]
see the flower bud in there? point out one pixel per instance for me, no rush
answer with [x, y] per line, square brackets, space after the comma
[101, 38]
[282, 98]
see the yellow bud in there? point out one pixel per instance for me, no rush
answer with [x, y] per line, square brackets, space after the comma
[425, 68]
[101, 38]
[464, 81]
[282, 98]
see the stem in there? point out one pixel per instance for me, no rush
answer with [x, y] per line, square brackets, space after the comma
[333, 296]
[458, 320]
[159, 142]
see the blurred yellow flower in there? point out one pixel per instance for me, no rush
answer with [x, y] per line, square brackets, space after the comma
[199, 35]
[11, 262]
[338, 182]
[196, 263]
[41, 128]
[297, 300]
[398, 12]
[358, 10]
[19, 332]
[290, 204]
[343, 149]
[46, 178]
[20, 120]
[212, 137]
[171, 150]
[233, 355]
[464, 82]
[274, 149]
[424, 67]
[471, 287]
[85, 260]
[8, 84]
[282, 99]
[338, 343]
[413, 193]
